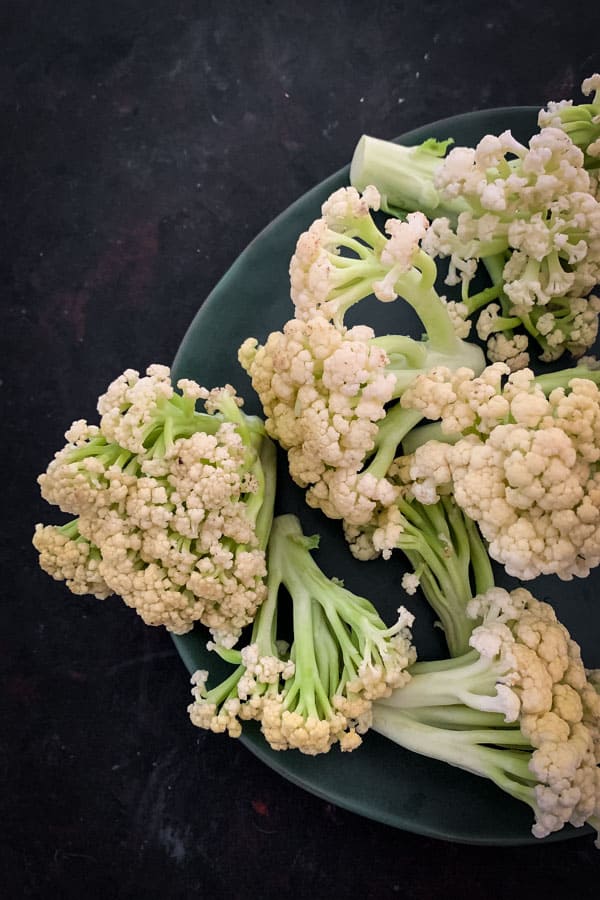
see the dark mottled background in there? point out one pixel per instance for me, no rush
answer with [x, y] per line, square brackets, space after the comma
[143, 145]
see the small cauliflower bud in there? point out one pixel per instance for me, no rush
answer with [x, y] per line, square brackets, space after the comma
[67, 556]
[178, 502]
[403, 255]
[205, 712]
[459, 315]
[513, 351]
[426, 472]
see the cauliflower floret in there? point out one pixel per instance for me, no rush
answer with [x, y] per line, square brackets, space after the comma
[319, 691]
[526, 471]
[547, 666]
[323, 281]
[459, 398]
[68, 556]
[323, 392]
[459, 314]
[167, 500]
[581, 121]
[539, 209]
[509, 350]
[524, 667]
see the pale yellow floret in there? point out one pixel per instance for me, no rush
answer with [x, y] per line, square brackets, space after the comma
[543, 209]
[323, 391]
[129, 405]
[527, 472]
[557, 705]
[172, 528]
[73, 561]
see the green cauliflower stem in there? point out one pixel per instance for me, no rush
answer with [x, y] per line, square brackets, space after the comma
[448, 557]
[173, 505]
[404, 176]
[318, 691]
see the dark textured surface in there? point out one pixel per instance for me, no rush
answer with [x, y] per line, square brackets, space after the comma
[144, 144]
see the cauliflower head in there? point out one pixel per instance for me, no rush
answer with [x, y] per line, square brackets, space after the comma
[525, 466]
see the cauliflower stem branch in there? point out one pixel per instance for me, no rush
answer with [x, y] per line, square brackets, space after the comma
[403, 175]
[448, 555]
[502, 755]
[319, 690]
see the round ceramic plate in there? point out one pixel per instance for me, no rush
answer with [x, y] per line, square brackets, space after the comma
[378, 780]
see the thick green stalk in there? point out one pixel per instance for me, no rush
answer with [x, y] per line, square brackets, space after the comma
[439, 544]
[306, 693]
[404, 177]
[501, 755]
[393, 429]
[326, 653]
[260, 505]
[469, 681]
[551, 380]
[227, 688]
[288, 560]
[402, 351]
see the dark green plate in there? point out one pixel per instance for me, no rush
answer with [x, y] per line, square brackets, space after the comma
[378, 780]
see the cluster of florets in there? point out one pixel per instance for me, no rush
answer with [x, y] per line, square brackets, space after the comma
[344, 257]
[323, 390]
[517, 708]
[557, 710]
[162, 495]
[324, 281]
[535, 206]
[291, 703]
[69, 557]
[319, 691]
[525, 466]
[581, 122]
